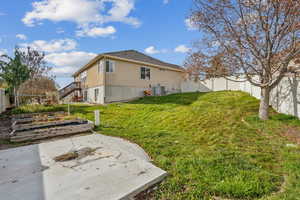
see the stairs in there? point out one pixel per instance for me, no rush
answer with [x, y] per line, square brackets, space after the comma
[72, 87]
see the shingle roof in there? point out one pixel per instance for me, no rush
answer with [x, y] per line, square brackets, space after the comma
[131, 55]
[137, 56]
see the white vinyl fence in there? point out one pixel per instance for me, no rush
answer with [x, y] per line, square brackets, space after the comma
[285, 98]
[4, 101]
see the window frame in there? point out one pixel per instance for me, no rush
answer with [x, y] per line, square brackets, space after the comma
[85, 95]
[96, 94]
[110, 66]
[83, 76]
[101, 66]
[145, 73]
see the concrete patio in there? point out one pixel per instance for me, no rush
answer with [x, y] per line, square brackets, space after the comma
[116, 169]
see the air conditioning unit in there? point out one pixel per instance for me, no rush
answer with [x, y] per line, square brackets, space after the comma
[159, 90]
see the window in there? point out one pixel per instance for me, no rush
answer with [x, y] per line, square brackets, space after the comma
[110, 66]
[83, 80]
[96, 95]
[83, 76]
[101, 66]
[85, 95]
[145, 73]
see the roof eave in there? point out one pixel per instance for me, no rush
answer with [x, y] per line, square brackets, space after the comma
[97, 58]
[100, 56]
[144, 63]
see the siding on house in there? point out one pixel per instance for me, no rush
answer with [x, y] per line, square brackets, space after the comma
[94, 78]
[125, 82]
[129, 74]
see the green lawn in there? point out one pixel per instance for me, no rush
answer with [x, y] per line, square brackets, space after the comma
[212, 144]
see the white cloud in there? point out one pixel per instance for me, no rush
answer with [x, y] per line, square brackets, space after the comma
[120, 12]
[79, 11]
[3, 52]
[85, 13]
[189, 24]
[2, 13]
[68, 62]
[53, 45]
[21, 36]
[181, 49]
[166, 1]
[151, 50]
[96, 32]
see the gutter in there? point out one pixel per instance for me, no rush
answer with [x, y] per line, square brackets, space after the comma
[97, 58]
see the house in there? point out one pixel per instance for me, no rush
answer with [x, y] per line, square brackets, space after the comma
[122, 76]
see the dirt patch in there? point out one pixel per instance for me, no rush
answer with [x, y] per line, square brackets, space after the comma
[148, 194]
[78, 154]
[5, 127]
[292, 133]
[66, 157]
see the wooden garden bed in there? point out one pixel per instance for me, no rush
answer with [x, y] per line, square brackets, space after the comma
[30, 127]
[36, 115]
[37, 119]
[47, 124]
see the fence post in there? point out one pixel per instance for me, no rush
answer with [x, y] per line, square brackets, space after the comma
[69, 113]
[97, 118]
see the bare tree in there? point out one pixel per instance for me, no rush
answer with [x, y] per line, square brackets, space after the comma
[200, 66]
[258, 38]
[35, 61]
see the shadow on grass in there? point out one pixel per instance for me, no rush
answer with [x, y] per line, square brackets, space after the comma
[277, 119]
[181, 99]
[283, 117]
[82, 109]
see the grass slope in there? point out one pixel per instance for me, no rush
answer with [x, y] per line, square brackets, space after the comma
[212, 144]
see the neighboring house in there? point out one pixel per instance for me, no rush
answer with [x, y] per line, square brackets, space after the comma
[123, 76]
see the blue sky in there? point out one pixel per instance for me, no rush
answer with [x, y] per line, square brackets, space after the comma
[71, 32]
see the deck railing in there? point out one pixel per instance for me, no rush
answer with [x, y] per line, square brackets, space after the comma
[69, 88]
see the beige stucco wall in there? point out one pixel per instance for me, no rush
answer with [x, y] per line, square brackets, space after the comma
[94, 77]
[128, 74]
[125, 82]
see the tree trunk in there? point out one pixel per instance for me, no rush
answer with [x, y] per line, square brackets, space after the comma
[15, 97]
[18, 98]
[264, 103]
